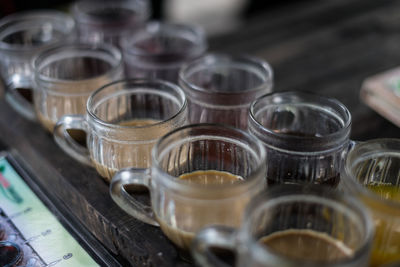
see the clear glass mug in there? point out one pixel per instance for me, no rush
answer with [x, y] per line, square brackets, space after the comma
[65, 76]
[160, 49]
[290, 226]
[109, 21]
[372, 173]
[200, 175]
[306, 136]
[22, 36]
[221, 87]
[123, 121]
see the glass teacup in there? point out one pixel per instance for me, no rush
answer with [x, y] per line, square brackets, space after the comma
[123, 121]
[22, 36]
[290, 226]
[200, 175]
[372, 173]
[306, 136]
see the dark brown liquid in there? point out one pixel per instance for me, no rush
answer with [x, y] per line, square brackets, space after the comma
[291, 171]
[307, 245]
[78, 135]
[165, 49]
[332, 181]
[26, 93]
[112, 15]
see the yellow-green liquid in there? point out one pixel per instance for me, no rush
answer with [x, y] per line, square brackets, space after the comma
[386, 191]
[386, 246]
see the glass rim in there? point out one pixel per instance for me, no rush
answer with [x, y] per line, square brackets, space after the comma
[215, 59]
[134, 82]
[35, 15]
[153, 28]
[350, 162]
[39, 61]
[81, 8]
[305, 193]
[342, 133]
[173, 183]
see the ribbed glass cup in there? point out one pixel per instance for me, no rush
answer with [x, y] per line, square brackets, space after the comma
[109, 21]
[22, 36]
[221, 87]
[306, 136]
[123, 121]
[293, 225]
[372, 173]
[66, 75]
[160, 49]
[228, 167]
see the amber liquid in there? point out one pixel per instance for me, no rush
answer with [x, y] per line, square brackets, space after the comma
[141, 157]
[386, 191]
[387, 229]
[307, 245]
[199, 214]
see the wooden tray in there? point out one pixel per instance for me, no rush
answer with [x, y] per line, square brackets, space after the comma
[85, 194]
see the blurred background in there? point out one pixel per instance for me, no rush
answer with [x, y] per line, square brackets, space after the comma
[216, 16]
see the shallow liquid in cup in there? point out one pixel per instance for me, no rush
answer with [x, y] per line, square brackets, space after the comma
[307, 245]
[143, 151]
[184, 238]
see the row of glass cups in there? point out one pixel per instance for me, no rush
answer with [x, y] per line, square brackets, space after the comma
[306, 137]
[204, 174]
[40, 51]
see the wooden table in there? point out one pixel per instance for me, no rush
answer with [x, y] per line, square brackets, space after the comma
[327, 47]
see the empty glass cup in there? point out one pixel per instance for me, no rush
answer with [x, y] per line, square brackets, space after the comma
[200, 175]
[22, 36]
[290, 226]
[372, 173]
[221, 87]
[306, 136]
[66, 75]
[160, 49]
[123, 121]
[109, 21]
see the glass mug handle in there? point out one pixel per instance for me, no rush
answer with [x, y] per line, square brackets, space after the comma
[214, 236]
[132, 177]
[67, 143]
[350, 147]
[20, 104]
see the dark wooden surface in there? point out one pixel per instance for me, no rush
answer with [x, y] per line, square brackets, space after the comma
[328, 47]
